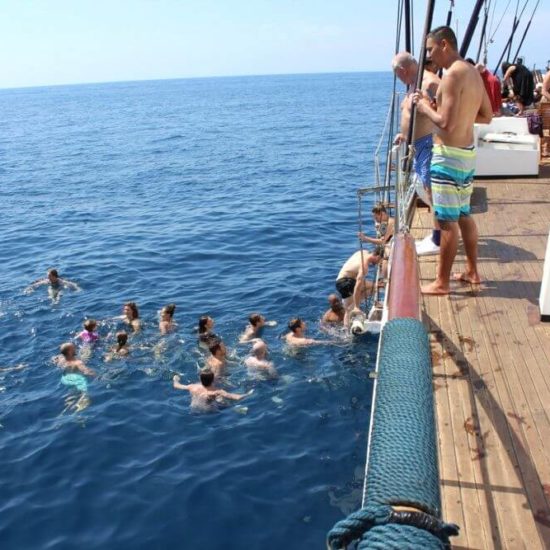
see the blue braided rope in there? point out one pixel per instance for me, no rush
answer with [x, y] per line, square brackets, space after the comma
[403, 467]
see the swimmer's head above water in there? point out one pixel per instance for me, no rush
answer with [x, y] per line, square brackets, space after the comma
[121, 339]
[167, 312]
[206, 377]
[256, 320]
[259, 349]
[335, 302]
[90, 325]
[296, 324]
[53, 276]
[217, 348]
[206, 323]
[131, 311]
[68, 350]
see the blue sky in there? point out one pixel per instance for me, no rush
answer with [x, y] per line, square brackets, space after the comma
[47, 42]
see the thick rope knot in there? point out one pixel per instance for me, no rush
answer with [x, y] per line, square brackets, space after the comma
[425, 521]
[357, 523]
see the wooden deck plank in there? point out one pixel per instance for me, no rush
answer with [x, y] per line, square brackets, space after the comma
[491, 383]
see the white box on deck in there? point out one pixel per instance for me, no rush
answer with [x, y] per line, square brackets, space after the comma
[498, 155]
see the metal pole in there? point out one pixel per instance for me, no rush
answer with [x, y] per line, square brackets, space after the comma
[483, 29]
[408, 41]
[471, 28]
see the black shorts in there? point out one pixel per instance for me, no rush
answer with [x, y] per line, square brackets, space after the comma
[345, 287]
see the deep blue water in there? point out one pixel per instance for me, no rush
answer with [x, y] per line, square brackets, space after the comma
[225, 196]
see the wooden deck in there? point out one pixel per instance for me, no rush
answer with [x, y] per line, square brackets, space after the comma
[491, 368]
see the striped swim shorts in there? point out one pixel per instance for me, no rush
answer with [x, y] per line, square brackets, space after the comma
[452, 173]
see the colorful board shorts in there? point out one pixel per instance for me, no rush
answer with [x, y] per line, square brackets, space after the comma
[452, 174]
[76, 380]
[422, 159]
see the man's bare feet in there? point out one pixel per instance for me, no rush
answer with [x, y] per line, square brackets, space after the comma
[466, 278]
[435, 289]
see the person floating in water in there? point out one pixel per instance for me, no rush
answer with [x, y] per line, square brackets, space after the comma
[205, 396]
[257, 362]
[218, 358]
[55, 282]
[130, 315]
[255, 328]
[121, 348]
[296, 336]
[206, 336]
[334, 315]
[89, 334]
[166, 323]
[74, 374]
[351, 283]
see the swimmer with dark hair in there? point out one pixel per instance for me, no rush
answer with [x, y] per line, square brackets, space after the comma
[218, 358]
[336, 312]
[89, 334]
[296, 336]
[121, 348]
[166, 323]
[255, 327]
[130, 315]
[206, 336]
[205, 395]
[55, 282]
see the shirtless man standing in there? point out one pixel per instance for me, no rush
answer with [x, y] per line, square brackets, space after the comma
[461, 101]
[205, 395]
[350, 282]
[406, 68]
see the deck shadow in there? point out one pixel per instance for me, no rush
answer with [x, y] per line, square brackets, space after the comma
[502, 251]
[501, 426]
[478, 201]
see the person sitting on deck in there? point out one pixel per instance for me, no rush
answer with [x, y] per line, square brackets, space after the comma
[296, 336]
[336, 312]
[351, 284]
[218, 358]
[205, 396]
[55, 282]
[257, 362]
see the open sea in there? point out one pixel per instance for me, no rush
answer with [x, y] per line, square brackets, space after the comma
[225, 196]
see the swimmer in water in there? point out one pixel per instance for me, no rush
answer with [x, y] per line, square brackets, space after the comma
[206, 336]
[218, 360]
[255, 328]
[89, 334]
[296, 336]
[336, 312]
[55, 282]
[257, 362]
[74, 375]
[204, 395]
[130, 315]
[166, 323]
[121, 348]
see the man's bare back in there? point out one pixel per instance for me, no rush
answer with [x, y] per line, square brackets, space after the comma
[352, 265]
[423, 125]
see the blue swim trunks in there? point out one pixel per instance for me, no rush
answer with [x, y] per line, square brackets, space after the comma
[422, 159]
[452, 174]
[76, 380]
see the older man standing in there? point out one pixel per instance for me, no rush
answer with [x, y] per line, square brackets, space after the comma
[406, 68]
[461, 101]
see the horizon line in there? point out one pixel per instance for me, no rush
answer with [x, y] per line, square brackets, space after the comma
[100, 82]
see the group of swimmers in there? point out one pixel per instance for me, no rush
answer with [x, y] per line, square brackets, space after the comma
[72, 358]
